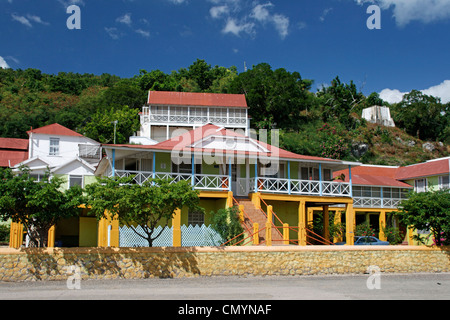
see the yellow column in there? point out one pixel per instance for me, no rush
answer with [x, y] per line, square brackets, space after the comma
[269, 214]
[255, 234]
[326, 222]
[51, 237]
[268, 234]
[102, 235]
[176, 224]
[230, 200]
[382, 225]
[410, 236]
[350, 224]
[256, 200]
[302, 223]
[309, 223]
[13, 235]
[337, 221]
[114, 235]
[241, 214]
[286, 234]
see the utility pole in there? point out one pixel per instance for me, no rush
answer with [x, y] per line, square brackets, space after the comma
[115, 126]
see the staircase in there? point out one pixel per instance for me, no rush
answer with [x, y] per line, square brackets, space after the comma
[256, 215]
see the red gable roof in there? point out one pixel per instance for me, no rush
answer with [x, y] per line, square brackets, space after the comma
[430, 168]
[196, 99]
[56, 130]
[373, 176]
[189, 138]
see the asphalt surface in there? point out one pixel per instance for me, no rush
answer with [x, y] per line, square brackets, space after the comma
[348, 287]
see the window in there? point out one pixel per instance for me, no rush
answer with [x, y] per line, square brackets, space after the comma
[196, 218]
[75, 181]
[54, 147]
[420, 185]
[444, 182]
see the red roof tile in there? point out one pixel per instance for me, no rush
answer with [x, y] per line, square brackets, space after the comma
[373, 176]
[196, 99]
[430, 168]
[186, 140]
[57, 130]
[11, 158]
[14, 144]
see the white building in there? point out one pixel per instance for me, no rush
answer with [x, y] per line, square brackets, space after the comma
[167, 112]
[64, 152]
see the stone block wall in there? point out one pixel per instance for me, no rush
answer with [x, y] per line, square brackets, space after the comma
[127, 263]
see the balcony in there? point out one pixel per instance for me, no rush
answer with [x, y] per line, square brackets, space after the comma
[242, 187]
[300, 187]
[201, 182]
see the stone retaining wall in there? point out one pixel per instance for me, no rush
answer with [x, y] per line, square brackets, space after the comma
[125, 263]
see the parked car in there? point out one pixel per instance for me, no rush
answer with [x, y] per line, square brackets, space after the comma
[366, 241]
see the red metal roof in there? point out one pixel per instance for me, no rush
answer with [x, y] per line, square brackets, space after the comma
[11, 158]
[197, 99]
[184, 142]
[373, 176]
[430, 168]
[56, 130]
[14, 144]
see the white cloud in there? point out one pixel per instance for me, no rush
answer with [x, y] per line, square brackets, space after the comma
[406, 11]
[240, 17]
[22, 20]
[325, 13]
[236, 28]
[114, 33]
[441, 91]
[3, 64]
[125, 19]
[143, 33]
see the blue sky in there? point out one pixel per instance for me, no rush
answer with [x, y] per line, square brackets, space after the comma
[321, 39]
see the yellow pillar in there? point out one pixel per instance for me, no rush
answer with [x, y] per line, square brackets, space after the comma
[326, 222]
[229, 200]
[309, 223]
[268, 234]
[410, 236]
[302, 223]
[337, 221]
[176, 224]
[382, 225]
[114, 235]
[16, 235]
[51, 237]
[269, 214]
[350, 224]
[256, 200]
[286, 234]
[102, 235]
[241, 214]
[255, 234]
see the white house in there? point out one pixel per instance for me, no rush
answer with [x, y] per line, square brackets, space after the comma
[64, 152]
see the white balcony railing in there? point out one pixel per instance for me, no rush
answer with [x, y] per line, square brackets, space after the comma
[201, 182]
[301, 187]
[360, 202]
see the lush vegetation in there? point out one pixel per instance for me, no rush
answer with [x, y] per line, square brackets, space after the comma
[428, 211]
[323, 123]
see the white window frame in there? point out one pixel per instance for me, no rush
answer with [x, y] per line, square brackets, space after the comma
[76, 177]
[425, 185]
[443, 185]
[54, 149]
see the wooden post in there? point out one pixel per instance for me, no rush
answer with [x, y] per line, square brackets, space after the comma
[350, 224]
[268, 234]
[382, 225]
[286, 234]
[51, 237]
[256, 234]
[326, 223]
[176, 224]
[302, 223]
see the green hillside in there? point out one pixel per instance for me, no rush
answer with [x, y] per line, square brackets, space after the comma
[325, 123]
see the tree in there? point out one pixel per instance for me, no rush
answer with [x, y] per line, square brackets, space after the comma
[149, 205]
[101, 126]
[421, 115]
[428, 211]
[226, 222]
[36, 205]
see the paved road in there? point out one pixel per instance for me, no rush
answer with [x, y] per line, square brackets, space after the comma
[404, 287]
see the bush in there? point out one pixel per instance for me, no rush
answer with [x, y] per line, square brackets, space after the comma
[227, 223]
[4, 233]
